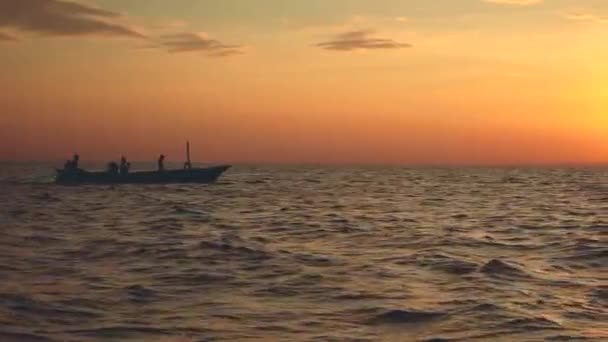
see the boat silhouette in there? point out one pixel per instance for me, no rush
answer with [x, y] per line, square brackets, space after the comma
[192, 175]
[77, 176]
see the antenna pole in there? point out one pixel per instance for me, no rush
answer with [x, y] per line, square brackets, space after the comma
[188, 150]
[188, 162]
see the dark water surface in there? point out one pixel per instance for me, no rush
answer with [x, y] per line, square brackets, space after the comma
[312, 253]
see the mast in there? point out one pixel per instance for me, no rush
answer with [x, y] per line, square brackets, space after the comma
[188, 151]
[188, 162]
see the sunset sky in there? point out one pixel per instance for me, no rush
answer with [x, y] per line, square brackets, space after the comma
[316, 81]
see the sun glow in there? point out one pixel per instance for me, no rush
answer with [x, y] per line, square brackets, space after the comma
[380, 81]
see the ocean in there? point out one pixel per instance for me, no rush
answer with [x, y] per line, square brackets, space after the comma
[308, 253]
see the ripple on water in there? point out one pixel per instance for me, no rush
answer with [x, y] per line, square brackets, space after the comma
[441, 262]
[529, 324]
[226, 249]
[317, 260]
[407, 317]
[7, 336]
[31, 307]
[45, 197]
[193, 278]
[600, 294]
[568, 338]
[123, 332]
[140, 294]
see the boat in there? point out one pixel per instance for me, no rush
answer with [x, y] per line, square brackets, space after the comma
[194, 175]
[76, 176]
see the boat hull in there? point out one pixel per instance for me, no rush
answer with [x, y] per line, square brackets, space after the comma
[198, 175]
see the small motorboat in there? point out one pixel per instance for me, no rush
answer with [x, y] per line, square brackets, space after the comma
[77, 176]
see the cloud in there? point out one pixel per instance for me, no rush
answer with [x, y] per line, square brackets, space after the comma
[515, 2]
[62, 18]
[71, 18]
[4, 37]
[198, 42]
[360, 40]
[585, 16]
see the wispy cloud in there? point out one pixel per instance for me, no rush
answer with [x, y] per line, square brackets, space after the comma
[62, 18]
[360, 40]
[515, 2]
[198, 42]
[70, 18]
[6, 37]
[583, 15]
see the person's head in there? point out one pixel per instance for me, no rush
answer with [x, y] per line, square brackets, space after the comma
[123, 159]
[76, 156]
[162, 156]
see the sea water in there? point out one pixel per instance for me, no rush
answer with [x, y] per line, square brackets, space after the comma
[308, 253]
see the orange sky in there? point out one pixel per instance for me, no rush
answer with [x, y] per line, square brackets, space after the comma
[468, 82]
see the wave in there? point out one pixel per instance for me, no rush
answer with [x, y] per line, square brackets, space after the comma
[123, 331]
[8, 336]
[40, 179]
[178, 209]
[28, 306]
[498, 267]
[585, 255]
[407, 317]
[568, 338]
[437, 261]
[228, 249]
[140, 294]
[600, 295]
[529, 324]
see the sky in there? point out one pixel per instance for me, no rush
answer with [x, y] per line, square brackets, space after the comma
[287, 81]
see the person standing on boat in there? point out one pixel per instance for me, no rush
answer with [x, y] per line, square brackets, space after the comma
[75, 161]
[124, 166]
[71, 165]
[113, 168]
[161, 163]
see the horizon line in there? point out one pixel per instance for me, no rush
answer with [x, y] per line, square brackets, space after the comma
[346, 164]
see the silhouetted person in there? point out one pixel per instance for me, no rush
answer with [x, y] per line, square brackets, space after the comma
[71, 165]
[124, 166]
[161, 163]
[75, 161]
[113, 168]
